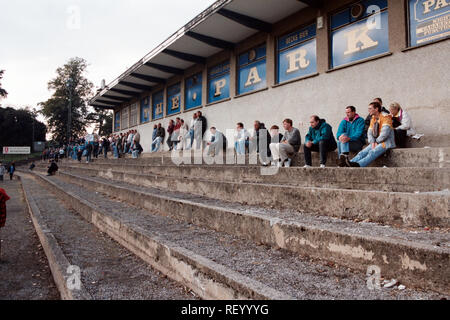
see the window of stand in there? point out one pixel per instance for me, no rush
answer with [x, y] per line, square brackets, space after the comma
[297, 54]
[429, 21]
[125, 119]
[219, 82]
[252, 70]
[359, 31]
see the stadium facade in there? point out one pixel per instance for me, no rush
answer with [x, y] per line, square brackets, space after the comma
[246, 60]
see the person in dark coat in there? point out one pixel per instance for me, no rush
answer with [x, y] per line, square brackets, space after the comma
[52, 169]
[3, 198]
[204, 123]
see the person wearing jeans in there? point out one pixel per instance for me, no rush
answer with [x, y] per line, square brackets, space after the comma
[380, 135]
[350, 135]
[319, 139]
[241, 139]
[160, 134]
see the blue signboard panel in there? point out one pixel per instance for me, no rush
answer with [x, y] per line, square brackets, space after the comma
[117, 121]
[252, 70]
[360, 40]
[145, 110]
[367, 6]
[428, 21]
[297, 55]
[174, 99]
[193, 89]
[158, 105]
[219, 82]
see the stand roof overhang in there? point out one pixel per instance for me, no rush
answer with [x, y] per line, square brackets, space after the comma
[221, 26]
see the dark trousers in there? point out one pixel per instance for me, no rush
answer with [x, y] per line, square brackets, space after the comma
[400, 138]
[323, 147]
[11, 176]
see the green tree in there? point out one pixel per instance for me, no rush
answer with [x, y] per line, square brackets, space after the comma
[16, 128]
[102, 119]
[3, 92]
[70, 87]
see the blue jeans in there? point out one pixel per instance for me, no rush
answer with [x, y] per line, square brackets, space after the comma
[239, 146]
[368, 155]
[116, 152]
[353, 146]
[156, 144]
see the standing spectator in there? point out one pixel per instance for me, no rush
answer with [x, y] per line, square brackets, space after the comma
[176, 133]
[350, 135]
[160, 134]
[105, 146]
[380, 135]
[402, 123]
[2, 171]
[154, 133]
[241, 139]
[184, 132]
[89, 148]
[192, 130]
[11, 170]
[3, 198]
[320, 139]
[136, 137]
[283, 151]
[170, 130]
[202, 120]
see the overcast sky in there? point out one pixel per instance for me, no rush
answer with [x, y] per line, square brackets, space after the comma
[37, 36]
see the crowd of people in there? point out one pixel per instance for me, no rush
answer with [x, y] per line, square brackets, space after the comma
[369, 138]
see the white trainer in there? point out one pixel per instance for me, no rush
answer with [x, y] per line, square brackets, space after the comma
[322, 166]
[306, 166]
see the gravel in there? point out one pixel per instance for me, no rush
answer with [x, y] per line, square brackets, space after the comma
[108, 270]
[300, 277]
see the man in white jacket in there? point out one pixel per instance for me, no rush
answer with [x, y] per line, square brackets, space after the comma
[402, 124]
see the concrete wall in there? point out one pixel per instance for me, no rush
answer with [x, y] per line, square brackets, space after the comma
[417, 79]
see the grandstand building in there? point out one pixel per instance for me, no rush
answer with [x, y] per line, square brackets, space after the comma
[246, 60]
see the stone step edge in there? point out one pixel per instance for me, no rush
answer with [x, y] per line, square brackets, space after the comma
[423, 203]
[350, 250]
[58, 262]
[205, 277]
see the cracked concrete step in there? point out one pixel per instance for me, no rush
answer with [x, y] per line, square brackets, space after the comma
[108, 271]
[286, 273]
[410, 157]
[394, 208]
[417, 258]
[377, 179]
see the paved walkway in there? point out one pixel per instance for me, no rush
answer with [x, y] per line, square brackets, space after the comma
[25, 274]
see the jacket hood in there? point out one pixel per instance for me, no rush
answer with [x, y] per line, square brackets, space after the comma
[356, 117]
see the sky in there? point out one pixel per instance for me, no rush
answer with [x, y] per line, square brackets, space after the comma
[38, 36]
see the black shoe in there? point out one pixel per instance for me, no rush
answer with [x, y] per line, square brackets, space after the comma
[351, 164]
[343, 160]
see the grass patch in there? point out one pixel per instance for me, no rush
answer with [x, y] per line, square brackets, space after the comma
[7, 158]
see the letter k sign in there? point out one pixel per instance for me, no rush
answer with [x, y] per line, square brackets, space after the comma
[357, 36]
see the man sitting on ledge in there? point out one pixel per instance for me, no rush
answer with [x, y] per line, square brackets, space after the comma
[380, 136]
[283, 152]
[320, 139]
[350, 135]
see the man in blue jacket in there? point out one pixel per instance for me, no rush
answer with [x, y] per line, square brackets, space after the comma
[320, 139]
[351, 135]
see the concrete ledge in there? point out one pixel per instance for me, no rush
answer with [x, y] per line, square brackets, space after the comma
[205, 277]
[57, 261]
[393, 208]
[377, 179]
[416, 264]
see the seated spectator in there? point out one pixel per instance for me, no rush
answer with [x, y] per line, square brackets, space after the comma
[52, 168]
[241, 137]
[32, 166]
[218, 142]
[283, 151]
[257, 142]
[402, 123]
[380, 136]
[369, 117]
[319, 139]
[350, 135]
[160, 134]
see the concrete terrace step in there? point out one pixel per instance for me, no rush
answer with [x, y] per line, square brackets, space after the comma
[287, 274]
[410, 157]
[377, 179]
[107, 270]
[394, 208]
[417, 258]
